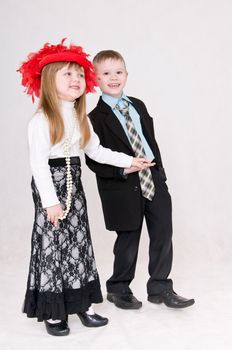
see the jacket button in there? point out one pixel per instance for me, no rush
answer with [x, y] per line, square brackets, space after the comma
[136, 188]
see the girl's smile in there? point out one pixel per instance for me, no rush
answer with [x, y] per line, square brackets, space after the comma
[70, 83]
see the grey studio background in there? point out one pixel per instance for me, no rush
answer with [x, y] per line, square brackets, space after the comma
[179, 58]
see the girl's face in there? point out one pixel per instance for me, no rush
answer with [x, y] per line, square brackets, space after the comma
[70, 82]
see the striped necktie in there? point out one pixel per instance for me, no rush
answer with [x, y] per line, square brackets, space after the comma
[145, 176]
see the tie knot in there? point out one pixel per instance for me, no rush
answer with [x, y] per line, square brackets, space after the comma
[124, 109]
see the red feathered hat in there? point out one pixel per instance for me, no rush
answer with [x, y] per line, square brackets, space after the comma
[32, 68]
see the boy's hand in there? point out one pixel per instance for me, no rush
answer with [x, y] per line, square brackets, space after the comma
[141, 163]
[54, 213]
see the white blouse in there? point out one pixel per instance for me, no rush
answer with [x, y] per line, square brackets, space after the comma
[41, 150]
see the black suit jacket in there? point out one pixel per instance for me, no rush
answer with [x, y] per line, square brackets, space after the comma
[121, 199]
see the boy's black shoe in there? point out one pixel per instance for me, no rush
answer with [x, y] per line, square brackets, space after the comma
[58, 329]
[170, 299]
[94, 320]
[124, 301]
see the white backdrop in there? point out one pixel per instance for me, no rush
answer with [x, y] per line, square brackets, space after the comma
[179, 58]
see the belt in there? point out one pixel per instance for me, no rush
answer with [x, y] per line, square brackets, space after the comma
[61, 161]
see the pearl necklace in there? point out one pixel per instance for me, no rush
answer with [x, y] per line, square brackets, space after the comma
[69, 180]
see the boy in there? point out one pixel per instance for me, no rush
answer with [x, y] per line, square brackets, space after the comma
[128, 195]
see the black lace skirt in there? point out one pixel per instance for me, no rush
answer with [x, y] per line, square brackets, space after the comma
[63, 278]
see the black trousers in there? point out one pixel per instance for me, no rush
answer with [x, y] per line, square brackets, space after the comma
[158, 216]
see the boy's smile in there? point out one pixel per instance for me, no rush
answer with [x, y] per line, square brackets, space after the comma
[111, 76]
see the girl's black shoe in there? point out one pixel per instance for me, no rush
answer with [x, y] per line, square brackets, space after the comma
[58, 329]
[94, 320]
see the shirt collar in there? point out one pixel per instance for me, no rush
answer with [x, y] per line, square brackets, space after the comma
[113, 101]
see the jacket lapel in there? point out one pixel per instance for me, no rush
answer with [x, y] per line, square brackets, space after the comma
[113, 123]
[146, 122]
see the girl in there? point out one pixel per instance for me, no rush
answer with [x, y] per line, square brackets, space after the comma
[63, 278]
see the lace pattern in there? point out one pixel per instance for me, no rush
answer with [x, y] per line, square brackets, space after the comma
[62, 265]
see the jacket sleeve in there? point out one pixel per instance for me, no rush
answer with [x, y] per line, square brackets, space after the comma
[103, 170]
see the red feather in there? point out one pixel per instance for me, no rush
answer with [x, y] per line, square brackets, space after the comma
[32, 67]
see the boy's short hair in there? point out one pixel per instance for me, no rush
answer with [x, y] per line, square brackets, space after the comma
[104, 55]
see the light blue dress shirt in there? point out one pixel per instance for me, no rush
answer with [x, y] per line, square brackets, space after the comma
[112, 102]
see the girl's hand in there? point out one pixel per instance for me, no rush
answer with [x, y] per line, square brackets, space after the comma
[133, 169]
[141, 163]
[54, 213]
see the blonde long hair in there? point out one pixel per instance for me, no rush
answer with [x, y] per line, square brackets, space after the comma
[49, 104]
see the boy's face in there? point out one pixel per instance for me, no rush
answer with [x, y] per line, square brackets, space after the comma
[111, 76]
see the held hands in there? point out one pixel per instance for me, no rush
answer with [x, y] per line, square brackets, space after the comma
[138, 164]
[54, 213]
